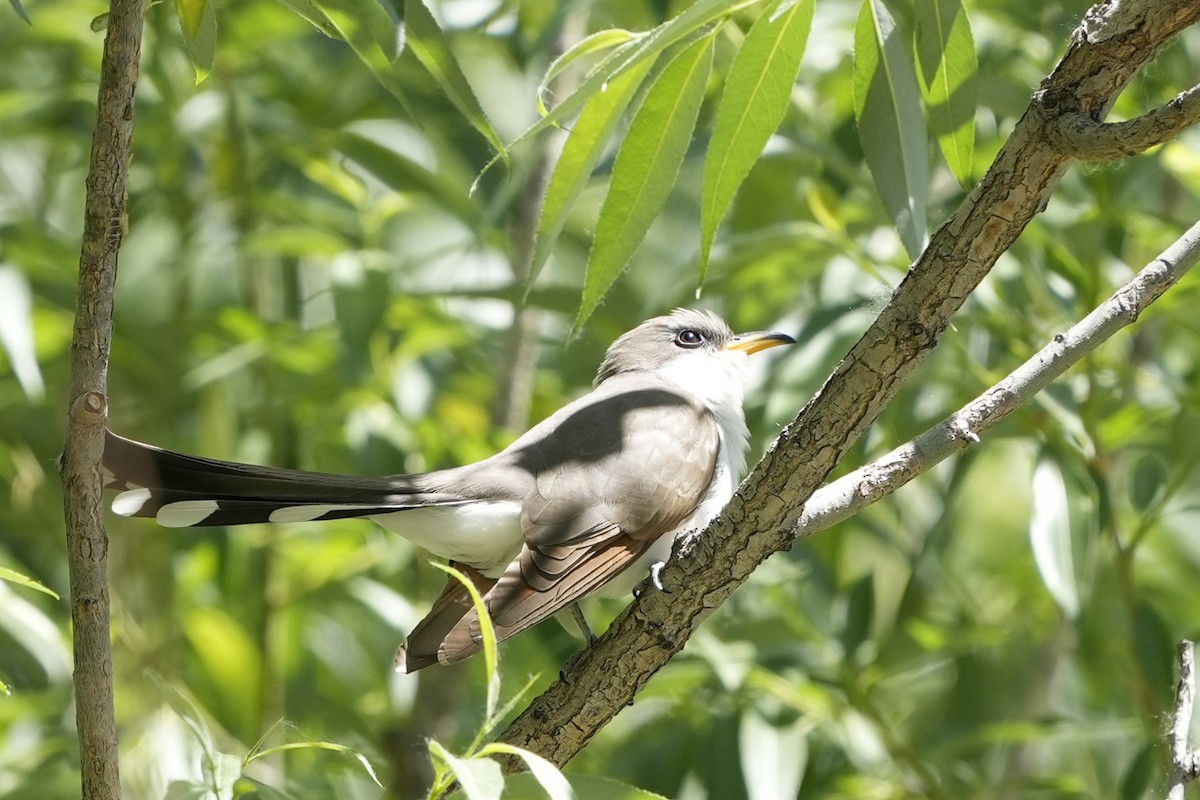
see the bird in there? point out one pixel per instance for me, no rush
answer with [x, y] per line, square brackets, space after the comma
[587, 502]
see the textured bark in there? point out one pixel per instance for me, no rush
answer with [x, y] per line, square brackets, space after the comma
[1113, 42]
[87, 544]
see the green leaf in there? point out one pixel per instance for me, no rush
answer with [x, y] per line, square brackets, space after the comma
[29, 583]
[198, 21]
[633, 55]
[646, 167]
[403, 174]
[582, 150]
[887, 108]
[524, 786]
[479, 778]
[428, 44]
[487, 633]
[1050, 536]
[548, 776]
[756, 97]
[310, 12]
[333, 746]
[363, 28]
[858, 612]
[948, 66]
[16, 330]
[773, 756]
[20, 9]
[1140, 772]
[601, 40]
[1148, 482]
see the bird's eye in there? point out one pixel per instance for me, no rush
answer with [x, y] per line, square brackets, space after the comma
[689, 338]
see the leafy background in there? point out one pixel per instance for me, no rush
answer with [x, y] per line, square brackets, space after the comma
[308, 281]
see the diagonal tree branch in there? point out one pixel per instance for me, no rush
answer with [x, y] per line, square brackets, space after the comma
[1115, 41]
[87, 544]
[849, 494]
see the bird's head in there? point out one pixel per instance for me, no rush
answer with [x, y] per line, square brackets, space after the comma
[693, 349]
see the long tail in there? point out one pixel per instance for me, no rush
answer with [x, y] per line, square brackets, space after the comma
[180, 490]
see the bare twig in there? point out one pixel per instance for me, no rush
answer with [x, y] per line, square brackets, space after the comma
[87, 544]
[1185, 762]
[1085, 138]
[849, 494]
[758, 521]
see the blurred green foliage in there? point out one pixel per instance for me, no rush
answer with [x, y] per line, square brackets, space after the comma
[307, 282]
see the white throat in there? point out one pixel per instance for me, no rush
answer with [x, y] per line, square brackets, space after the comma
[719, 380]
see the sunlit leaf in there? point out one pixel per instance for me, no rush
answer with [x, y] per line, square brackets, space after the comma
[887, 108]
[633, 55]
[583, 148]
[757, 92]
[948, 65]
[332, 746]
[595, 43]
[428, 43]
[17, 578]
[487, 633]
[198, 20]
[16, 330]
[548, 776]
[1050, 536]
[479, 778]
[773, 756]
[645, 169]
[524, 786]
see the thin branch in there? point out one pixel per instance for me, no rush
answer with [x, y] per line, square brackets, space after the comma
[849, 494]
[87, 544]
[1185, 762]
[758, 521]
[1085, 138]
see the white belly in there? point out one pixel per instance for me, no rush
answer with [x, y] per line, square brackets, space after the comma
[485, 535]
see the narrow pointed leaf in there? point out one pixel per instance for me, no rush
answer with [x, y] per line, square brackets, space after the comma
[947, 64]
[632, 55]
[597, 42]
[1050, 537]
[646, 168]
[887, 108]
[381, 24]
[17, 578]
[199, 24]
[753, 104]
[338, 18]
[310, 12]
[487, 632]
[428, 44]
[548, 776]
[479, 778]
[20, 9]
[582, 150]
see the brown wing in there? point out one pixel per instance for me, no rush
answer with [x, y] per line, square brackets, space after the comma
[597, 505]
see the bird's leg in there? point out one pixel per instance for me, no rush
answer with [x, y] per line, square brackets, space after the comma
[581, 621]
[585, 629]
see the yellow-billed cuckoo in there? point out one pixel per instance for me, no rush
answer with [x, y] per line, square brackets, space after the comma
[591, 497]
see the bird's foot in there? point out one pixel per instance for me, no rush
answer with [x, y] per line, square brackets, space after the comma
[653, 580]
